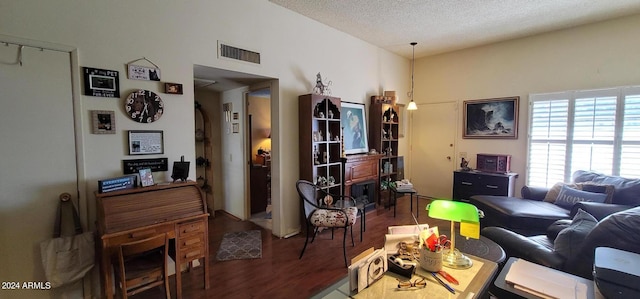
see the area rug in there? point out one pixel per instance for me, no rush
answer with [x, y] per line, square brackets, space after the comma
[240, 245]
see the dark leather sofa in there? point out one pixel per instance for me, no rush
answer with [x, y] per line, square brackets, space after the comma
[531, 215]
[619, 230]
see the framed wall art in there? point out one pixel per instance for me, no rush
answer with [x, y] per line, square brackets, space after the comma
[146, 142]
[101, 83]
[173, 88]
[139, 72]
[491, 118]
[352, 118]
[103, 122]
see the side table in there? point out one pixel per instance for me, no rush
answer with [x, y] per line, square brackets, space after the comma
[403, 192]
[508, 291]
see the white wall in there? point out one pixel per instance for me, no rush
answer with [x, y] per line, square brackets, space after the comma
[594, 56]
[176, 35]
[233, 158]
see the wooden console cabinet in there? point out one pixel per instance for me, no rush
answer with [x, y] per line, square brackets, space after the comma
[361, 168]
[469, 183]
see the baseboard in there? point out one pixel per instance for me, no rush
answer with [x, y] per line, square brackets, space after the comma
[227, 214]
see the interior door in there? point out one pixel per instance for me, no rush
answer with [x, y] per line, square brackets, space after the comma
[433, 133]
[37, 158]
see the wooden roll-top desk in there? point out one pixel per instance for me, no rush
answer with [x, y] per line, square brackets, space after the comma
[177, 209]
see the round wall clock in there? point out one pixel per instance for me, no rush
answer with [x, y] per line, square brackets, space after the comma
[144, 106]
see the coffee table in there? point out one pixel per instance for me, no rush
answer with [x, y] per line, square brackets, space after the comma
[473, 282]
[483, 247]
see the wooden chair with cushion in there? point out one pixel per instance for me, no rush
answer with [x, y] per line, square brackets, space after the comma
[142, 265]
[318, 216]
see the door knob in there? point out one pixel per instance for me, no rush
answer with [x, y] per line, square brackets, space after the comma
[449, 158]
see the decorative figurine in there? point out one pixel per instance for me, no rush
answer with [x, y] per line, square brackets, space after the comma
[320, 87]
[464, 165]
[315, 155]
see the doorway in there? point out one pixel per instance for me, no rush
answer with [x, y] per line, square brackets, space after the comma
[433, 135]
[223, 94]
[259, 142]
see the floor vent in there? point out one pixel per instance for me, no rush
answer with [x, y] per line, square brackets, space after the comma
[239, 54]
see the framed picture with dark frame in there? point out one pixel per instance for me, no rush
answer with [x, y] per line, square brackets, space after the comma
[146, 142]
[103, 122]
[354, 121]
[101, 83]
[172, 88]
[491, 118]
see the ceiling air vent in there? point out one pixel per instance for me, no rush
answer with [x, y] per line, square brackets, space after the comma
[239, 54]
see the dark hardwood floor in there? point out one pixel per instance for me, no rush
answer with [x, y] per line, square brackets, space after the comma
[279, 273]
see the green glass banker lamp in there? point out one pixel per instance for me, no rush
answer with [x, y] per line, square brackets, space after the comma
[468, 216]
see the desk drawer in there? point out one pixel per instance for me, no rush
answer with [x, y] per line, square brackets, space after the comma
[192, 254]
[191, 227]
[191, 241]
[141, 234]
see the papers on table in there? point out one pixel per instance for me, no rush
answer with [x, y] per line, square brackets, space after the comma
[404, 185]
[544, 282]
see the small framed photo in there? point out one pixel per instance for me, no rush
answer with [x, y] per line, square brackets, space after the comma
[236, 128]
[103, 122]
[146, 142]
[172, 88]
[146, 177]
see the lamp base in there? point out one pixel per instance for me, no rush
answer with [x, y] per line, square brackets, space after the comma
[456, 260]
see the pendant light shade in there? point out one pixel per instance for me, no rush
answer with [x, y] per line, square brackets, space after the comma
[412, 104]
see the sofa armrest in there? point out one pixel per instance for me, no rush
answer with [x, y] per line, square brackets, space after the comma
[534, 193]
[516, 245]
[597, 209]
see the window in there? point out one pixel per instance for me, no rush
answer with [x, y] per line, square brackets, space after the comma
[596, 130]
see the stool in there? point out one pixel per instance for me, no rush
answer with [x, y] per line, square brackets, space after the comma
[403, 192]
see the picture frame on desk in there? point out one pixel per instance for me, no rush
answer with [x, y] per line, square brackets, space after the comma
[354, 121]
[146, 177]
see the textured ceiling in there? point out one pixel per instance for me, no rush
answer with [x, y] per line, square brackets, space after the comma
[447, 25]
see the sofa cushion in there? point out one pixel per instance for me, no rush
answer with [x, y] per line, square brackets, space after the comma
[609, 190]
[553, 193]
[570, 239]
[620, 230]
[627, 191]
[524, 216]
[569, 196]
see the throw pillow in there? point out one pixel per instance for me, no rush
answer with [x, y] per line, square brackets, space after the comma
[568, 197]
[552, 194]
[598, 188]
[570, 239]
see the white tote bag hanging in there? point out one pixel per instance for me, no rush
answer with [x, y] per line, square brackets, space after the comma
[67, 259]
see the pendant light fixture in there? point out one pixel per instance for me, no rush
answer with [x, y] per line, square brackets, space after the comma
[412, 104]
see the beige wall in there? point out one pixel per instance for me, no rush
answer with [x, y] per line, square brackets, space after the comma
[587, 57]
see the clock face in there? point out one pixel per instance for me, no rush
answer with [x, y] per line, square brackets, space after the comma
[144, 106]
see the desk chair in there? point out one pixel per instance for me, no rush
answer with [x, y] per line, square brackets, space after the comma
[142, 265]
[317, 216]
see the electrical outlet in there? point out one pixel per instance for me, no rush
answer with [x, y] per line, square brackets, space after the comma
[463, 155]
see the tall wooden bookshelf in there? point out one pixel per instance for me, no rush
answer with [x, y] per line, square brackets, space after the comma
[384, 131]
[319, 138]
